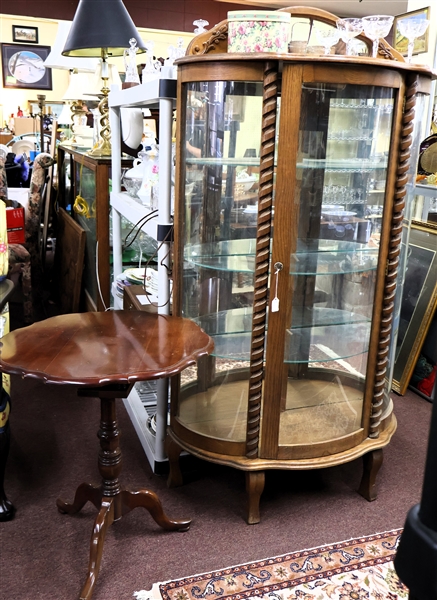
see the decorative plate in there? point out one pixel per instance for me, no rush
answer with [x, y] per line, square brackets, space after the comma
[134, 275]
[428, 159]
[24, 146]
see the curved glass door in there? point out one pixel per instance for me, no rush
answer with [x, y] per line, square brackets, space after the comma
[340, 189]
[221, 141]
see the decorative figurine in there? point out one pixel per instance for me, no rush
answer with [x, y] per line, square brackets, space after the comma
[153, 66]
[130, 62]
[180, 50]
[169, 69]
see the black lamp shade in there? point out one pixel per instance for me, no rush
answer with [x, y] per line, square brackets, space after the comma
[100, 24]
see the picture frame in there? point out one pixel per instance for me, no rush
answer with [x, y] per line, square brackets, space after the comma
[23, 67]
[400, 43]
[24, 34]
[418, 304]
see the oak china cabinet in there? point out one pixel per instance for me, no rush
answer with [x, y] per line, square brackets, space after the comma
[294, 171]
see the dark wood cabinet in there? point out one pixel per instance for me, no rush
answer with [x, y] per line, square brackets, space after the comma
[84, 186]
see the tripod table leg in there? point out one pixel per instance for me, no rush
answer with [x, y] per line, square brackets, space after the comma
[84, 493]
[150, 501]
[104, 519]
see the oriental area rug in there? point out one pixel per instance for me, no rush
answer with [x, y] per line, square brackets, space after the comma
[358, 569]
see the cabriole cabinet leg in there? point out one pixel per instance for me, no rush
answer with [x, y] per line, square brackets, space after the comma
[372, 462]
[173, 451]
[254, 487]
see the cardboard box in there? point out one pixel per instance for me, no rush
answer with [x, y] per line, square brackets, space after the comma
[23, 125]
[15, 225]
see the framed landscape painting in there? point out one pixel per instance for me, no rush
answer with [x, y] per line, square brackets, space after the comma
[22, 33]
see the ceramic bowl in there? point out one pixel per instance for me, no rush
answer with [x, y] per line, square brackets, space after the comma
[246, 183]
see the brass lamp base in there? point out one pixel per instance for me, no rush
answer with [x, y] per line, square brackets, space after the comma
[103, 149]
[104, 146]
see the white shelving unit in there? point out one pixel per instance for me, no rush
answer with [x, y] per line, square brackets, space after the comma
[425, 199]
[160, 93]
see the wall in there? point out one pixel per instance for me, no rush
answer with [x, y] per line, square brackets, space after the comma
[10, 99]
[177, 15]
[163, 22]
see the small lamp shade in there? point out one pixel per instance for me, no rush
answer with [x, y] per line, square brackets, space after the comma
[65, 116]
[79, 87]
[101, 24]
[96, 79]
[56, 60]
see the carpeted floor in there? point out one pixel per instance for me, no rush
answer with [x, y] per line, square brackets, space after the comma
[54, 445]
[353, 569]
[54, 448]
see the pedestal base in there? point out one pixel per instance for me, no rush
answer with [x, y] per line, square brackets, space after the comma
[112, 501]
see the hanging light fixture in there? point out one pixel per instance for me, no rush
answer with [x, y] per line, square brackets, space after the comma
[101, 29]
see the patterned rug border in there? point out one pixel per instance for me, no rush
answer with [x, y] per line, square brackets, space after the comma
[338, 560]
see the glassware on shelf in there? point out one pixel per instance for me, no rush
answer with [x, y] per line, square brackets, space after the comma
[328, 37]
[376, 27]
[412, 29]
[349, 29]
[132, 178]
[132, 185]
[148, 192]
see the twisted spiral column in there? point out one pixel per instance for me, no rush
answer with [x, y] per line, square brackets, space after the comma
[262, 258]
[393, 258]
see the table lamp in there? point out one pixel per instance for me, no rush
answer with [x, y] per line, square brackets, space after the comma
[102, 28]
[77, 94]
[55, 60]
[101, 118]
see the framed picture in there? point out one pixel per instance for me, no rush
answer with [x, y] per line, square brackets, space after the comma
[400, 42]
[419, 302]
[22, 33]
[23, 67]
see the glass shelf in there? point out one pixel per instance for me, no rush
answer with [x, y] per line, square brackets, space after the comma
[350, 165]
[339, 137]
[239, 320]
[225, 160]
[382, 108]
[361, 165]
[320, 257]
[330, 334]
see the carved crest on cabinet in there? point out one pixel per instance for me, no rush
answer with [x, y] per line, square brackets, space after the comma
[218, 37]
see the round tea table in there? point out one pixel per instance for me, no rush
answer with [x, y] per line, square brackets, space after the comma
[104, 354]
